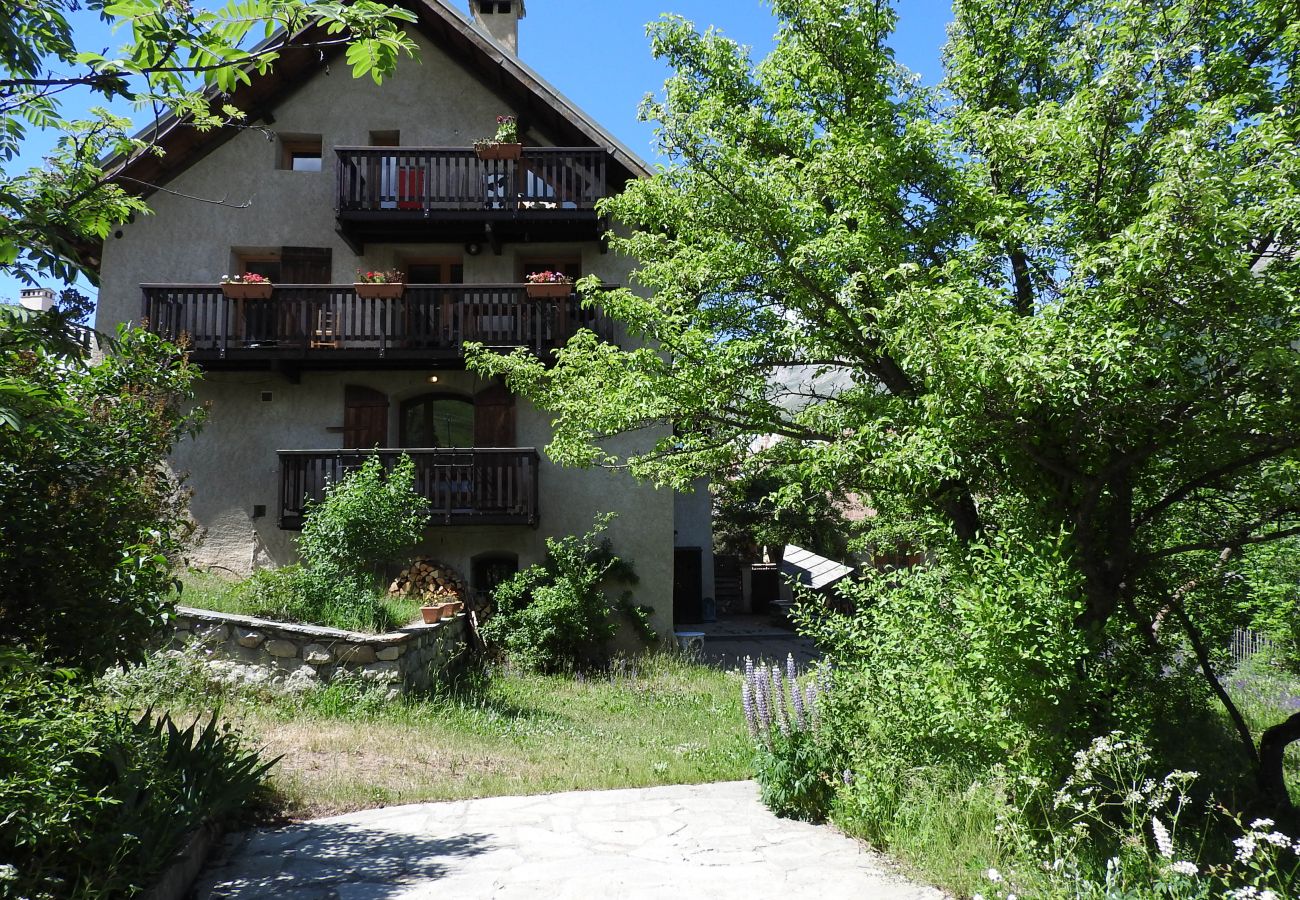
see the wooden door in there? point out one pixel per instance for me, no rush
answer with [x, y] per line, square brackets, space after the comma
[688, 570]
[365, 418]
[494, 417]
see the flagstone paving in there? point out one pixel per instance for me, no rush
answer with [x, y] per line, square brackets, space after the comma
[706, 841]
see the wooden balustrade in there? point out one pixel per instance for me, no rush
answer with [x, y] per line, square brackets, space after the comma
[332, 324]
[454, 179]
[478, 486]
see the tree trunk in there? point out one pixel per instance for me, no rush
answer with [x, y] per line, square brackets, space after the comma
[1272, 746]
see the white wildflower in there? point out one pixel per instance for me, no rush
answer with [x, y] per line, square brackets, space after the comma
[1164, 843]
[1245, 847]
[8, 872]
[993, 875]
[1278, 839]
[1243, 893]
[977, 897]
[1183, 867]
[1261, 824]
[1011, 897]
[1268, 895]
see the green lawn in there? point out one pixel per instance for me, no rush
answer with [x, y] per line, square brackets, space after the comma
[658, 721]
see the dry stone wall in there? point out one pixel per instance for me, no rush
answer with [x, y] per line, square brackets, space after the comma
[244, 650]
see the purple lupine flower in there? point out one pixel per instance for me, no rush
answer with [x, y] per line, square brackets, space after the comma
[747, 701]
[814, 712]
[780, 702]
[764, 706]
[848, 777]
[749, 669]
[796, 697]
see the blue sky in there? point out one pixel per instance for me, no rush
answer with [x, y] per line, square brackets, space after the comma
[596, 52]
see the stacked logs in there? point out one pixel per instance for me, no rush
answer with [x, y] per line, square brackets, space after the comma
[429, 581]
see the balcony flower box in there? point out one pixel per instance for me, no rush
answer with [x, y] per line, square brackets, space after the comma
[247, 290]
[549, 290]
[494, 150]
[369, 290]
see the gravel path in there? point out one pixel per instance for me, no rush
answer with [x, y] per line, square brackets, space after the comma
[708, 841]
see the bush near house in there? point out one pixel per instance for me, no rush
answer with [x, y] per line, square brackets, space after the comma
[368, 519]
[557, 615]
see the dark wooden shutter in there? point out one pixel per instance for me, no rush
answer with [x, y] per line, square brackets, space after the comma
[365, 418]
[494, 417]
[306, 265]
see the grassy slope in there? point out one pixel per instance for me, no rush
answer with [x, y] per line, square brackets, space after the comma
[661, 721]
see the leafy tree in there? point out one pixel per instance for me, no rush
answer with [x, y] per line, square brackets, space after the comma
[179, 60]
[1055, 295]
[90, 516]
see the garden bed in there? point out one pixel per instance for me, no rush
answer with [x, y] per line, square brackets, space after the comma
[246, 650]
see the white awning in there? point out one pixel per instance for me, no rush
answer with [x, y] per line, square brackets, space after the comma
[812, 570]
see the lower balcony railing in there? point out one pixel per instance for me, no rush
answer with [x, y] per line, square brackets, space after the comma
[332, 325]
[479, 486]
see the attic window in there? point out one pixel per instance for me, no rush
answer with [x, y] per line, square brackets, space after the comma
[301, 153]
[488, 7]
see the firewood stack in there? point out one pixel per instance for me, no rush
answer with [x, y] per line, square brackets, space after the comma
[429, 581]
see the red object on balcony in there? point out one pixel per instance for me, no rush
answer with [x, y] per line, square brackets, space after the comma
[410, 187]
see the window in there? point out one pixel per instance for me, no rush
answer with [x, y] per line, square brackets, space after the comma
[437, 271]
[487, 7]
[265, 264]
[385, 139]
[437, 420]
[301, 153]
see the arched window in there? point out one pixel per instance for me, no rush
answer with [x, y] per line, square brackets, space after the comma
[437, 420]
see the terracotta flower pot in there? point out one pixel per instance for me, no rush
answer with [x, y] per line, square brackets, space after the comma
[373, 290]
[452, 609]
[549, 290]
[494, 150]
[431, 614]
[241, 291]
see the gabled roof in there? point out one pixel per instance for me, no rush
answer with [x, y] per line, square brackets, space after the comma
[540, 104]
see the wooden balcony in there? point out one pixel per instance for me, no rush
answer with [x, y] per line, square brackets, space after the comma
[322, 326]
[432, 194]
[479, 486]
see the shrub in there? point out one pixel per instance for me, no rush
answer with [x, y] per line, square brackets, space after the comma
[556, 615]
[90, 515]
[96, 802]
[793, 769]
[366, 520]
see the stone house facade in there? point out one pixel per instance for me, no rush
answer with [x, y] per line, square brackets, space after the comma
[335, 175]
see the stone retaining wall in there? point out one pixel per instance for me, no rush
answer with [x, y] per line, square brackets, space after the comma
[248, 650]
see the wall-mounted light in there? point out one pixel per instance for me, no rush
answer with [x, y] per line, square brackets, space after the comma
[433, 379]
[473, 248]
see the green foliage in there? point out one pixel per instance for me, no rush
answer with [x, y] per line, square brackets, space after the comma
[90, 515]
[370, 518]
[96, 802]
[768, 504]
[793, 776]
[309, 596]
[1271, 573]
[556, 615]
[178, 59]
[1054, 296]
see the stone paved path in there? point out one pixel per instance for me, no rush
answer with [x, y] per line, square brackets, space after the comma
[711, 841]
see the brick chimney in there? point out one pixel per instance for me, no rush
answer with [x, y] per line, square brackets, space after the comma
[500, 18]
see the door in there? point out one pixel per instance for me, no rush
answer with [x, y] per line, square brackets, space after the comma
[494, 417]
[303, 313]
[688, 570]
[365, 418]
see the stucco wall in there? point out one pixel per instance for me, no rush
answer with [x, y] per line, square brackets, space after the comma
[232, 464]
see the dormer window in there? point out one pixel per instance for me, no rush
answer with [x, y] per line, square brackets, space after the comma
[501, 7]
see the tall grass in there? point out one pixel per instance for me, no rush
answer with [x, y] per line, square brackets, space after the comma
[647, 721]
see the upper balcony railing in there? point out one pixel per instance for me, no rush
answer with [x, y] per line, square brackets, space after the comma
[330, 326]
[431, 193]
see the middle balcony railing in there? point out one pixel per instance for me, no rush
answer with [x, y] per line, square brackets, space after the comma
[332, 326]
